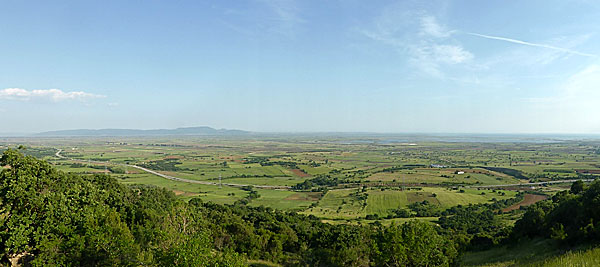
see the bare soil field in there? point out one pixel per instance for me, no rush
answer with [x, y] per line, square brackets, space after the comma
[300, 173]
[184, 193]
[528, 200]
[312, 196]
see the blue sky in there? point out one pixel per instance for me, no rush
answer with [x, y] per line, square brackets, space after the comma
[284, 65]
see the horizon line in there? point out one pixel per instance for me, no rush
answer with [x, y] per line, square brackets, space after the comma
[29, 134]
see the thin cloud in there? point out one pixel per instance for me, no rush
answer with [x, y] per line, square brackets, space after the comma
[55, 95]
[532, 44]
[285, 10]
[286, 15]
[430, 26]
[427, 43]
[451, 54]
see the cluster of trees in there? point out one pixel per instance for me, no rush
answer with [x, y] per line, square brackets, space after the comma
[475, 227]
[503, 203]
[571, 217]
[308, 242]
[424, 209]
[252, 194]
[112, 169]
[559, 170]
[49, 217]
[255, 159]
[394, 168]
[162, 165]
[319, 181]
[393, 213]
[403, 167]
[266, 161]
[77, 165]
[292, 239]
[512, 172]
[117, 169]
[313, 163]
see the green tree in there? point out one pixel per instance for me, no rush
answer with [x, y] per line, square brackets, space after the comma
[577, 187]
[414, 244]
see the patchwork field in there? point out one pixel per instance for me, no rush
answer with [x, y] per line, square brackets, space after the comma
[334, 178]
[354, 204]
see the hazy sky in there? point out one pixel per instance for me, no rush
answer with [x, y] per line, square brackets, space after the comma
[284, 65]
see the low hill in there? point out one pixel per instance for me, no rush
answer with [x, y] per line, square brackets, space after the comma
[203, 130]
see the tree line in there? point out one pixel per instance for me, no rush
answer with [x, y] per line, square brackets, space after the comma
[49, 217]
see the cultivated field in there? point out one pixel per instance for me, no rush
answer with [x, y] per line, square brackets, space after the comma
[335, 178]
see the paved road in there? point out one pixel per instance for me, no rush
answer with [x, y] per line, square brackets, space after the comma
[532, 184]
[177, 179]
[169, 177]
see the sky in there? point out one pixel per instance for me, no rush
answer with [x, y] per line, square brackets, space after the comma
[301, 66]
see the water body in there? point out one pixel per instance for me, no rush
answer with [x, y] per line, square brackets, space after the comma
[410, 139]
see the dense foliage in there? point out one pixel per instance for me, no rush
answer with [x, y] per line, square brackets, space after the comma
[49, 217]
[570, 216]
[321, 180]
[476, 226]
[162, 165]
[512, 172]
[54, 218]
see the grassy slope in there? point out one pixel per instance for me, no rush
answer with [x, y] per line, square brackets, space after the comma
[381, 202]
[524, 252]
[281, 199]
[538, 252]
[338, 204]
[589, 257]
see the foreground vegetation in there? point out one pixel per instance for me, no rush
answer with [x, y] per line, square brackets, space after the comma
[54, 218]
[578, 258]
[333, 178]
[298, 203]
[567, 223]
[534, 252]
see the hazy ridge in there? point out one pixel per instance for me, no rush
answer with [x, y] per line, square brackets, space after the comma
[202, 130]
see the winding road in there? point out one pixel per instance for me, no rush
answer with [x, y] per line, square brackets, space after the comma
[530, 184]
[177, 179]
[169, 177]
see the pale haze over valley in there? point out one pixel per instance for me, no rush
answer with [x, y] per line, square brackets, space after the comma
[308, 66]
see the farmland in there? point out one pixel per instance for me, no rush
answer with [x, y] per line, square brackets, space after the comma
[334, 178]
[474, 195]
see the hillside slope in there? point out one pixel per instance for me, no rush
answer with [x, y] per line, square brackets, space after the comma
[203, 130]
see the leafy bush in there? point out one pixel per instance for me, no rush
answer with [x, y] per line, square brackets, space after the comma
[56, 218]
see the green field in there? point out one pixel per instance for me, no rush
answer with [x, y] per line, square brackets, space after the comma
[283, 199]
[368, 174]
[352, 181]
[589, 257]
[344, 204]
[537, 252]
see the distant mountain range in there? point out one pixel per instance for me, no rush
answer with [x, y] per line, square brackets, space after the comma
[203, 130]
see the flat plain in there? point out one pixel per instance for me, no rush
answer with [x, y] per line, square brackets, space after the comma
[336, 178]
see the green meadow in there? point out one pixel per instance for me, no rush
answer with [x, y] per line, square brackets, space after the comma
[360, 176]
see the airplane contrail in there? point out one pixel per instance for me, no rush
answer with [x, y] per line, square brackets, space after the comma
[532, 44]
